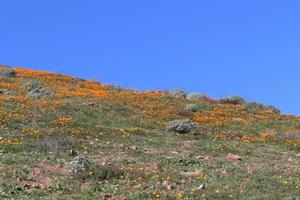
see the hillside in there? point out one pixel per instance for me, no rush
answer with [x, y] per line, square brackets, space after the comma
[67, 138]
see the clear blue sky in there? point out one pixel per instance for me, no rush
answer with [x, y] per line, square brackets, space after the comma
[249, 48]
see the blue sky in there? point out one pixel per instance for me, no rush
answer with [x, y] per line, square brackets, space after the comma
[246, 48]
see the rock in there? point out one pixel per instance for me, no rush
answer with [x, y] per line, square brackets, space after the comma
[4, 91]
[78, 164]
[191, 173]
[178, 93]
[200, 157]
[196, 96]
[200, 187]
[39, 92]
[8, 72]
[166, 185]
[82, 168]
[192, 108]
[236, 100]
[231, 156]
[181, 126]
[186, 144]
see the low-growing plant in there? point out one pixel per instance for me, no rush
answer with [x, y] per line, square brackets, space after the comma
[44, 144]
[33, 84]
[196, 96]
[178, 93]
[39, 92]
[235, 100]
[82, 169]
[7, 71]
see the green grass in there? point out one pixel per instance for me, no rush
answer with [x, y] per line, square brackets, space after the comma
[153, 163]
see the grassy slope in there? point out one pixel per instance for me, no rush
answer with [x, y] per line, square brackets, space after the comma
[127, 129]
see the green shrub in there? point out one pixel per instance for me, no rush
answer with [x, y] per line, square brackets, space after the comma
[196, 96]
[181, 126]
[192, 108]
[39, 92]
[82, 169]
[177, 93]
[33, 84]
[8, 72]
[45, 144]
[272, 109]
[236, 100]
[253, 106]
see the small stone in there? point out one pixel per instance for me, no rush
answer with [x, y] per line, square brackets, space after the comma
[191, 173]
[231, 156]
[200, 187]
[133, 147]
[166, 185]
[186, 144]
[202, 157]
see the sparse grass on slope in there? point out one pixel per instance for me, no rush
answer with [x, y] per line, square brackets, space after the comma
[238, 152]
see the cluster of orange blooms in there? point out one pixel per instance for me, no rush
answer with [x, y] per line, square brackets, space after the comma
[4, 118]
[149, 108]
[63, 121]
[65, 85]
[5, 141]
[264, 137]
[31, 132]
[10, 85]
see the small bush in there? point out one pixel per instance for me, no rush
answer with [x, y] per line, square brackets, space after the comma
[33, 84]
[39, 92]
[272, 109]
[192, 108]
[46, 144]
[294, 136]
[82, 169]
[181, 126]
[258, 106]
[114, 88]
[177, 93]
[8, 72]
[196, 96]
[21, 174]
[253, 106]
[236, 100]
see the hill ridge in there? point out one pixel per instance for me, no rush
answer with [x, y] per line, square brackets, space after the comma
[65, 137]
